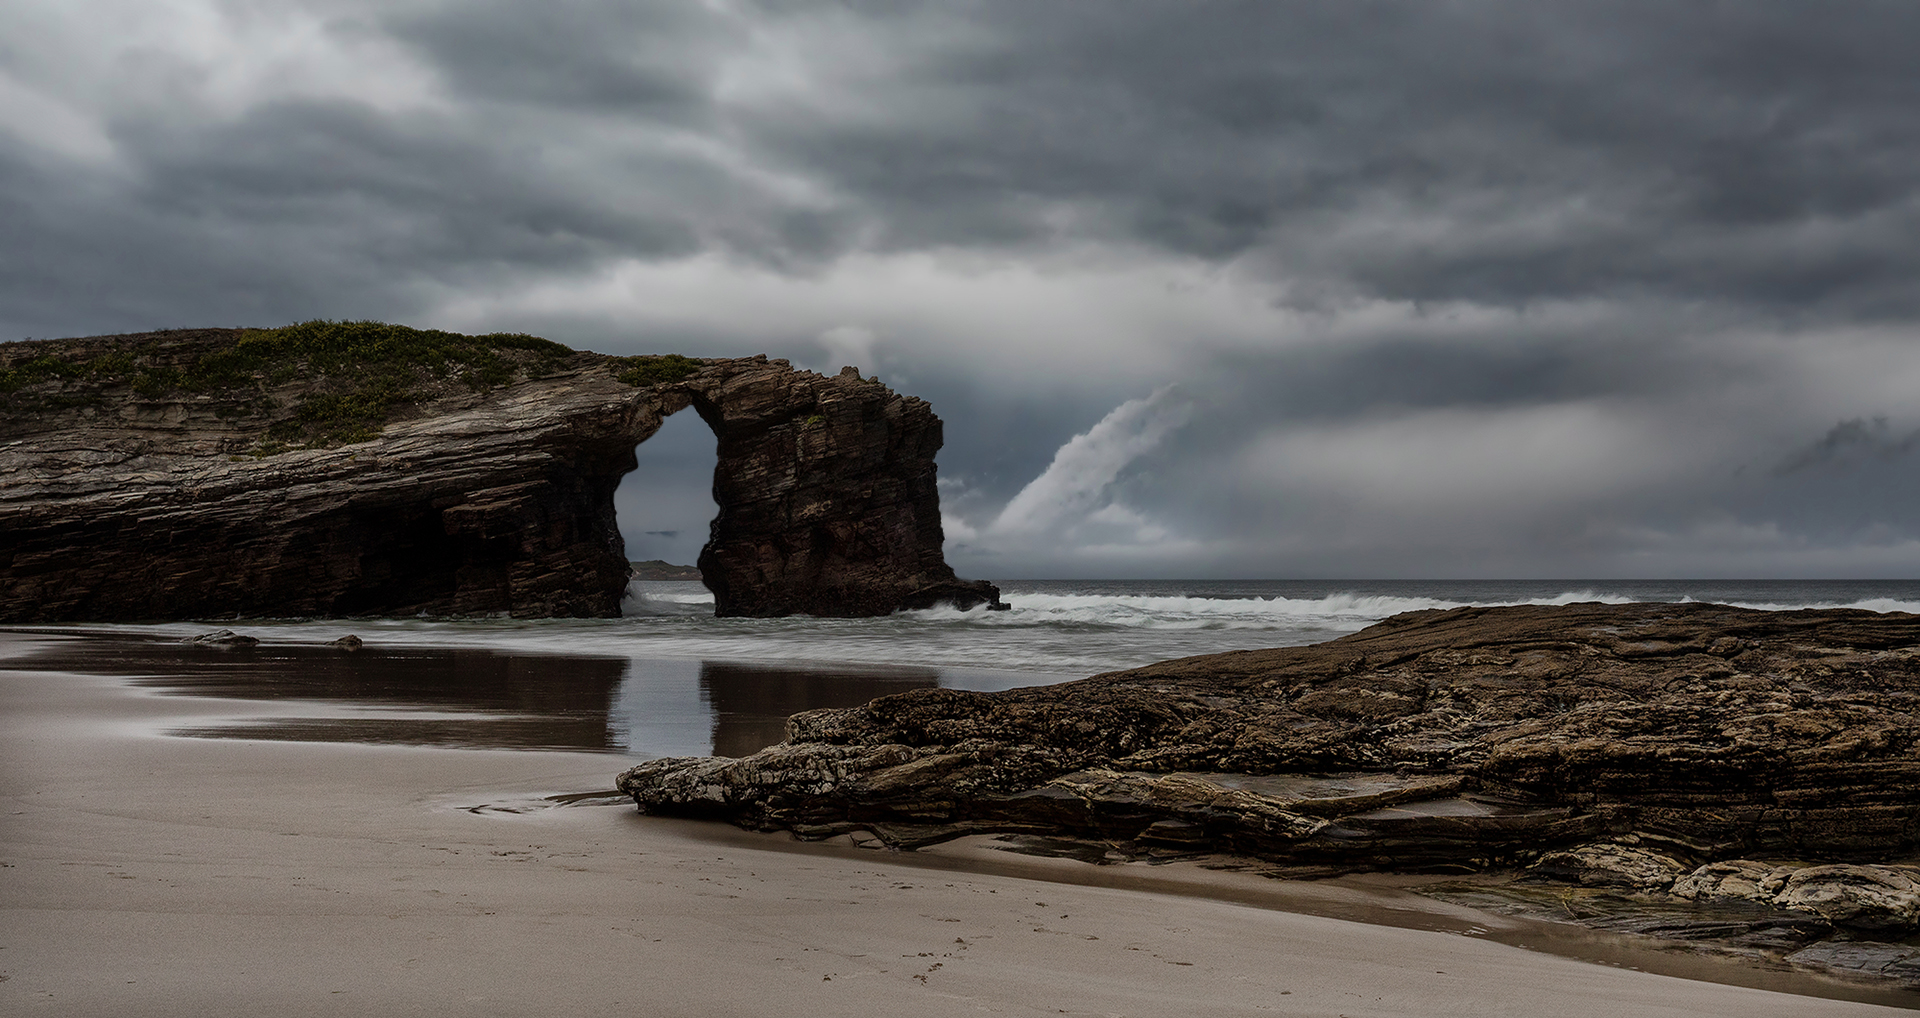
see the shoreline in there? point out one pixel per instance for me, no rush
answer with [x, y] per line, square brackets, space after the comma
[1380, 899]
[174, 875]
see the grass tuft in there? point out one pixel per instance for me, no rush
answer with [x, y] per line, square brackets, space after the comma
[656, 369]
[353, 377]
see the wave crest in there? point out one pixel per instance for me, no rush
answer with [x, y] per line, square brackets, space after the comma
[1147, 611]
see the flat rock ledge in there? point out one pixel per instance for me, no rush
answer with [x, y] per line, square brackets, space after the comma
[1678, 754]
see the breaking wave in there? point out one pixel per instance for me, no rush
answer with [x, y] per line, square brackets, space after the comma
[1054, 630]
[1188, 612]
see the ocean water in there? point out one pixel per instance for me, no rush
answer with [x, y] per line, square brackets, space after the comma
[670, 679]
[1055, 628]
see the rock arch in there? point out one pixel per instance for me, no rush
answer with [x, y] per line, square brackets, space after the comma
[826, 494]
[501, 502]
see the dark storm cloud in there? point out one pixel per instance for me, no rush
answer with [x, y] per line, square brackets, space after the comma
[1519, 285]
[647, 60]
[303, 209]
[1758, 154]
[1488, 152]
[1850, 444]
[304, 203]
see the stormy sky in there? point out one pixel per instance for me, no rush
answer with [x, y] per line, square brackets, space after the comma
[1239, 289]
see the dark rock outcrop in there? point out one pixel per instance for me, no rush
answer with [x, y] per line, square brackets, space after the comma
[222, 638]
[655, 569]
[1451, 740]
[1745, 782]
[167, 475]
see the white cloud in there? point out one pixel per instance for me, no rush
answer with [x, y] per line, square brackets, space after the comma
[1477, 461]
[1076, 485]
[1078, 320]
[51, 124]
[174, 58]
[1071, 517]
[850, 344]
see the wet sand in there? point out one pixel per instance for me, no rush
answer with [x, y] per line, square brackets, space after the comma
[142, 873]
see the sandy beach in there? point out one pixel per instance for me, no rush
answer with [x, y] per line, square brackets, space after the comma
[142, 873]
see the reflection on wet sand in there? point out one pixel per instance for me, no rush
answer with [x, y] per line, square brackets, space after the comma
[751, 703]
[464, 698]
[486, 700]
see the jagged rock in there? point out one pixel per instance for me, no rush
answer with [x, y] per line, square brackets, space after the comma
[126, 493]
[1596, 744]
[222, 638]
[1861, 896]
[1864, 897]
[348, 643]
[1898, 964]
[1739, 879]
[1739, 924]
[1611, 865]
[1465, 739]
[960, 594]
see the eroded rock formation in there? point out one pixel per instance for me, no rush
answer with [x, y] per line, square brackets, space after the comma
[1745, 781]
[1433, 740]
[183, 475]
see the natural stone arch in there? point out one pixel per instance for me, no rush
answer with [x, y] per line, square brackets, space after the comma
[825, 491]
[122, 506]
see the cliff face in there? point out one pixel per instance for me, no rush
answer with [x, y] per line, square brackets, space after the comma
[186, 475]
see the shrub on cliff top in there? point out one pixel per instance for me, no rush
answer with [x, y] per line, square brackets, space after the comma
[345, 380]
[655, 369]
[362, 373]
[48, 367]
[316, 349]
[323, 348]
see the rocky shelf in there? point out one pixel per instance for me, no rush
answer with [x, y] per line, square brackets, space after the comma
[347, 469]
[1766, 763]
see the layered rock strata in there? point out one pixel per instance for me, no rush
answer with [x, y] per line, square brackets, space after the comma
[1456, 740]
[1745, 782]
[125, 498]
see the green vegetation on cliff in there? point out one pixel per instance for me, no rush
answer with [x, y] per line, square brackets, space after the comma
[317, 383]
[48, 367]
[323, 349]
[315, 349]
[654, 369]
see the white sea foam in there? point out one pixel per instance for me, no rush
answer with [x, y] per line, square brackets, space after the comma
[1872, 604]
[657, 598]
[1191, 612]
[1053, 630]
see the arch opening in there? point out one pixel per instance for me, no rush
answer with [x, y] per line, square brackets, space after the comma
[664, 507]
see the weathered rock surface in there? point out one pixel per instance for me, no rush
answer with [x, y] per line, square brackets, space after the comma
[1434, 740]
[1748, 879]
[123, 500]
[1877, 898]
[1743, 781]
[222, 638]
[1758, 930]
[1873, 897]
[1609, 864]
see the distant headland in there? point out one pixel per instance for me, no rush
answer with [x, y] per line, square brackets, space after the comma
[656, 569]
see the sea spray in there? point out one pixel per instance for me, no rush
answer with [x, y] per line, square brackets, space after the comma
[1056, 629]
